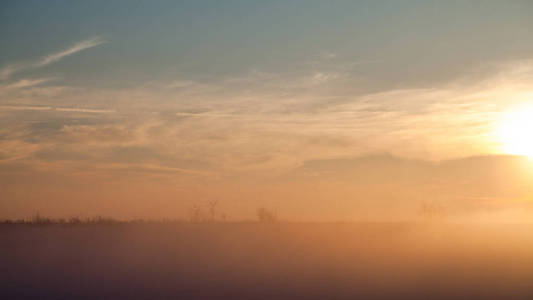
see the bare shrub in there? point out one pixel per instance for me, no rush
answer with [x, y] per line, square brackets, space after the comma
[431, 211]
[266, 216]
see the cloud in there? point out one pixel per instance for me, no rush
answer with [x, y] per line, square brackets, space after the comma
[60, 109]
[52, 58]
[226, 133]
[24, 83]
[6, 72]
[85, 110]
[15, 107]
[233, 126]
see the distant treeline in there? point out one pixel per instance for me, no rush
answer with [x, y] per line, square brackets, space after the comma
[39, 220]
[263, 216]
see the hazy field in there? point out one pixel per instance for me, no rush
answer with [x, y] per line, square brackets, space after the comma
[267, 261]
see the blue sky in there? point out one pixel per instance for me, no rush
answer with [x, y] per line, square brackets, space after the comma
[154, 40]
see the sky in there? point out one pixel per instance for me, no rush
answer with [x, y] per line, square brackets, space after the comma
[335, 110]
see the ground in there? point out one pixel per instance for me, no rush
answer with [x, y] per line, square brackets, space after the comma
[267, 261]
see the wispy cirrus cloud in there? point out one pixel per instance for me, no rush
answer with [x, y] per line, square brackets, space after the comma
[54, 57]
[25, 83]
[24, 107]
[59, 109]
[85, 110]
[9, 70]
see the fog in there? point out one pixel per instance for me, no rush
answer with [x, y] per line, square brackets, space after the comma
[265, 261]
[369, 188]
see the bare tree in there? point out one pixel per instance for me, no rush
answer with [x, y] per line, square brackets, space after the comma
[196, 214]
[212, 210]
[266, 216]
[431, 211]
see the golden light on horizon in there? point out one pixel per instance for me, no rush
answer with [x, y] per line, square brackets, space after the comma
[515, 131]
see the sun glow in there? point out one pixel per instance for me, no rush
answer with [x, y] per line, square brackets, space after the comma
[515, 131]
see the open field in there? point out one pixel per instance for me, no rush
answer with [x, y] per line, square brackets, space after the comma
[267, 261]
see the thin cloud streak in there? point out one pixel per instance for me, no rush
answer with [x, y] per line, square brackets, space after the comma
[12, 107]
[25, 83]
[9, 70]
[80, 46]
[61, 109]
[85, 110]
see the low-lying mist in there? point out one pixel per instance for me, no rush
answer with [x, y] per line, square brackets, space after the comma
[369, 188]
[267, 261]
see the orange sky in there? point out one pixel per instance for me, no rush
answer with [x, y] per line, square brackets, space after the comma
[320, 115]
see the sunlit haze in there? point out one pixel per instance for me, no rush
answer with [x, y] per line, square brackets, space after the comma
[337, 111]
[266, 149]
[515, 131]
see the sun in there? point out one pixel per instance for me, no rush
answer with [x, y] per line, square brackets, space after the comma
[515, 131]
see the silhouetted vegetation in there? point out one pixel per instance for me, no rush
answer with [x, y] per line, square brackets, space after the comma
[38, 219]
[207, 214]
[431, 211]
[196, 214]
[266, 216]
[212, 205]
